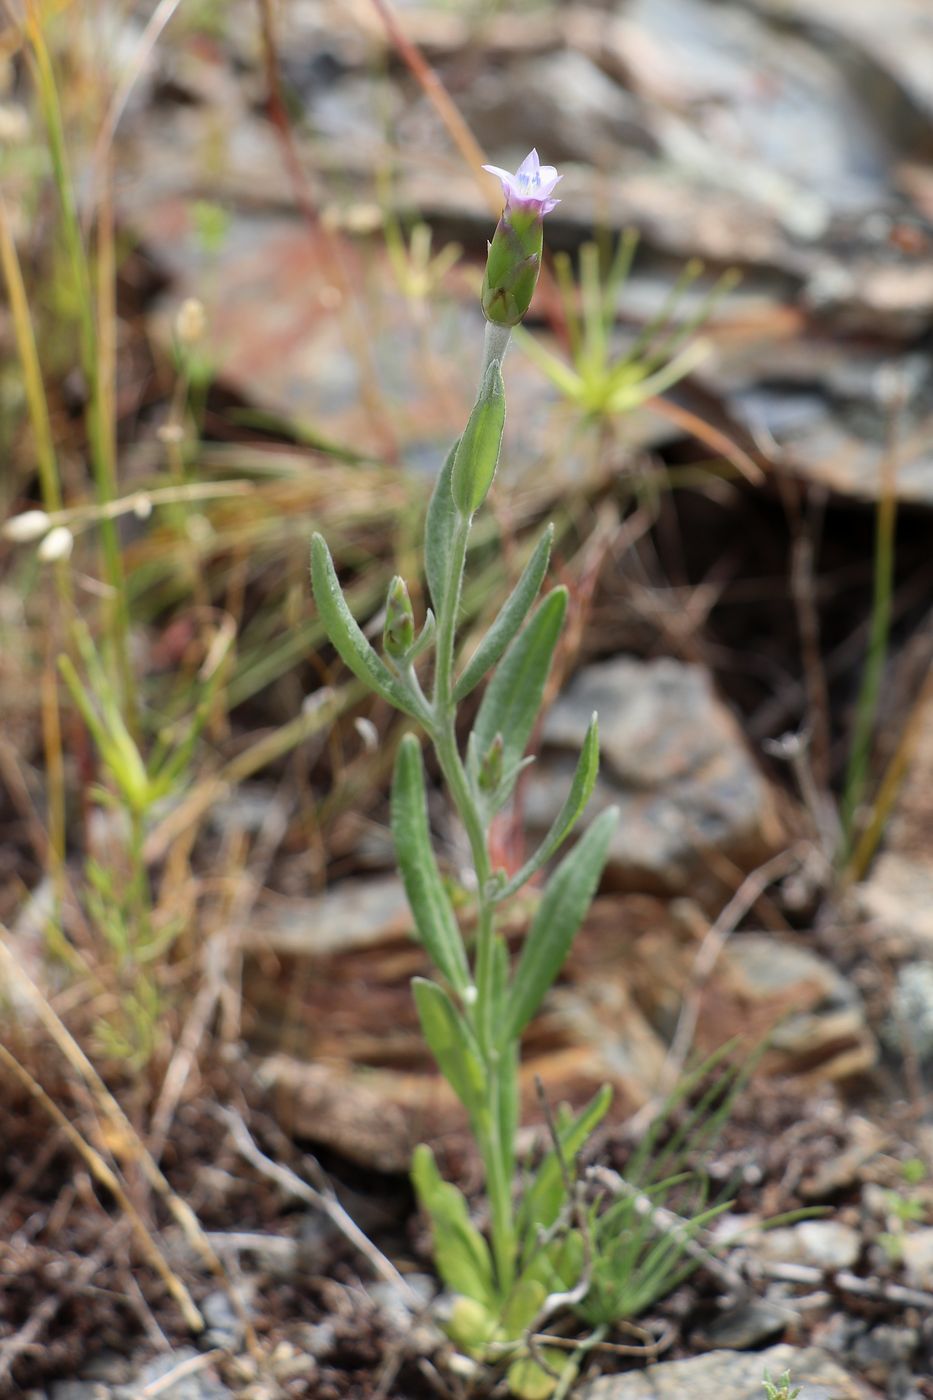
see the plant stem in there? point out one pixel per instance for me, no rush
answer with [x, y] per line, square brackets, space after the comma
[496, 1154]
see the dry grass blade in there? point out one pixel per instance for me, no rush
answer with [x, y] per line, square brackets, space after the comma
[123, 1133]
[105, 1175]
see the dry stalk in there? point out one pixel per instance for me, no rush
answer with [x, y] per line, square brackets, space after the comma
[124, 1141]
[109, 1179]
[323, 1200]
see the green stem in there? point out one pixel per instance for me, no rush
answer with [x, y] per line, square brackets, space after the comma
[101, 454]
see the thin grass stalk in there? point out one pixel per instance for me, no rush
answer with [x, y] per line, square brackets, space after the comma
[50, 487]
[102, 457]
[870, 690]
[101, 1170]
[36, 400]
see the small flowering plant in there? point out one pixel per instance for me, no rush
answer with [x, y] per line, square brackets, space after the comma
[475, 1009]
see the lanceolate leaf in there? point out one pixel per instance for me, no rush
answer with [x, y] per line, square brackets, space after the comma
[450, 1043]
[434, 917]
[440, 526]
[478, 450]
[513, 696]
[581, 789]
[560, 913]
[513, 614]
[462, 1255]
[342, 629]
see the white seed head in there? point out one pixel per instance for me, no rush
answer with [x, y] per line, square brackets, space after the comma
[367, 732]
[191, 321]
[57, 545]
[142, 507]
[26, 527]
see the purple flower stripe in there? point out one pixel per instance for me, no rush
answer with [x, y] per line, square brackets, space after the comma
[531, 185]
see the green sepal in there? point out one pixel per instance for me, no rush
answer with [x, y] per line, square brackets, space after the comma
[581, 790]
[424, 638]
[439, 529]
[344, 631]
[512, 267]
[513, 614]
[477, 454]
[450, 1042]
[565, 901]
[435, 922]
[512, 700]
[460, 1252]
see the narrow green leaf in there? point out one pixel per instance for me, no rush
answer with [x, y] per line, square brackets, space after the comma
[450, 1043]
[434, 917]
[513, 696]
[581, 790]
[524, 1304]
[343, 630]
[477, 454]
[461, 1253]
[513, 614]
[542, 1201]
[565, 900]
[440, 526]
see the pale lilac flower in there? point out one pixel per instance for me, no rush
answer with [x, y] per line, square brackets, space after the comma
[529, 189]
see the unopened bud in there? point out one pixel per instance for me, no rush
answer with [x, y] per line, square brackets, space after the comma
[57, 545]
[514, 259]
[191, 321]
[477, 453]
[28, 526]
[399, 633]
[490, 770]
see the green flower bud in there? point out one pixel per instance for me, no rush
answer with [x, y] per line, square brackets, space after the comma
[399, 633]
[512, 268]
[490, 769]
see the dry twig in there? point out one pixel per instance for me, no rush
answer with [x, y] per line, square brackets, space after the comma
[323, 1200]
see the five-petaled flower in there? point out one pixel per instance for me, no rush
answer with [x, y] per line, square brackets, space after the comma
[529, 189]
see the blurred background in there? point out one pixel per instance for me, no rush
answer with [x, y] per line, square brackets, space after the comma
[242, 244]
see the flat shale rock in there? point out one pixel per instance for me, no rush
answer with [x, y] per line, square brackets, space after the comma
[328, 1010]
[730, 1375]
[693, 803]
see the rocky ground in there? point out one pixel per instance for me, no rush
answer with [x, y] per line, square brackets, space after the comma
[717, 613]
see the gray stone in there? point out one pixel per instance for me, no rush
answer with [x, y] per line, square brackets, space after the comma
[673, 760]
[884, 1349]
[224, 1325]
[730, 1375]
[749, 1324]
[917, 1254]
[826, 1244]
[356, 914]
[200, 1384]
[912, 1011]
